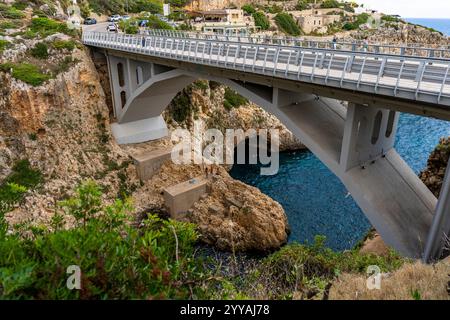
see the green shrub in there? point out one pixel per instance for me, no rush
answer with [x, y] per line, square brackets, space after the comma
[13, 188]
[155, 23]
[287, 24]
[302, 5]
[39, 13]
[201, 84]
[178, 3]
[184, 27]
[28, 34]
[181, 107]
[360, 19]
[46, 26]
[129, 26]
[152, 6]
[328, 4]
[349, 26]
[249, 9]
[26, 72]
[9, 12]
[310, 268]
[233, 99]
[40, 51]
[389, 18]
[4, 44]
[64, 45]
[117, 260]
[133, 6]
[261, 20]
[274, 9]
[8, 25]
[65, 65]
[20, 5]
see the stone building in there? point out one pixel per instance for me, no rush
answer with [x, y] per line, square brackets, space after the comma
[317, 20]
[224, 21]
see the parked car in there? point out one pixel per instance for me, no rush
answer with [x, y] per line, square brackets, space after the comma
[112, 27]
[125, 18]
[89, 21]
[114, 18]
[143, 23]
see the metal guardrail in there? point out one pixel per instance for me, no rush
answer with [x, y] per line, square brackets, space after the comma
[414, 78]
[413, 50]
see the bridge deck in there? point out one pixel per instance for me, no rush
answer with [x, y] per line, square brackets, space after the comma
[414, 78]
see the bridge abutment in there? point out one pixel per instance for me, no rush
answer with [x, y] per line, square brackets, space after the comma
[141, 92]
[369, 134]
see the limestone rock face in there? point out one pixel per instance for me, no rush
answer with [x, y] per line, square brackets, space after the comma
[62, 128]
[207, 105]
[375, 245]
[401, 34]
[434, 174]
[236, 216]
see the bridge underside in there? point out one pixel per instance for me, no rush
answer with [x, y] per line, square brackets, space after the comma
[355, 143]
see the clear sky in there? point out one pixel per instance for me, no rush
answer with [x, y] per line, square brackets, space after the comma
[411, 8]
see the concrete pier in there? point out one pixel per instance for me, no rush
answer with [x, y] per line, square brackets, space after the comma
[148, 163]
[180, 198]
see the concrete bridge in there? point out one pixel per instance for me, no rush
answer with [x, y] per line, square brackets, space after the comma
[302, 84]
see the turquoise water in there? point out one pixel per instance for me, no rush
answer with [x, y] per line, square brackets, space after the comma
[442, 25]
[317, 203]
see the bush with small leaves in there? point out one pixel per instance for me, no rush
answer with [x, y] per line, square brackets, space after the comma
[116, 259]
[40, 51]
[233, 99]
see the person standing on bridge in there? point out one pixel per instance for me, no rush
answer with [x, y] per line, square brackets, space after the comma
[143, 41]
[334, 42]
[365, 45]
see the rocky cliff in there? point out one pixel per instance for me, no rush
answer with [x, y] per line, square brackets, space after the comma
[401, 34]
[63, 128]
[434, 174]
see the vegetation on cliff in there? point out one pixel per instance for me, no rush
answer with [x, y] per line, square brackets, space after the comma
[14, 187]
[232, 99]
[261, 20]
[45, 58]
[152, 258]
[287, 24]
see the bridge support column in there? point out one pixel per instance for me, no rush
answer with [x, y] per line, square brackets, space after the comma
[141, 91]
[368, 134]
[140, 131]
[439, 235]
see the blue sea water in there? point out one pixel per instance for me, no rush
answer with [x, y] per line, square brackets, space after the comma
[317, 203]
[442, 25]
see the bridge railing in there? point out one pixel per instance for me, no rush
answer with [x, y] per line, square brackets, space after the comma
[413, 50]
[414, 78]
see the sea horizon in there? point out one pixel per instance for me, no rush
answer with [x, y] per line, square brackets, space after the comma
[439, 24]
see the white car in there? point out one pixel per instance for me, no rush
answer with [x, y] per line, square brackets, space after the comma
[114, 18]
[111, 27]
